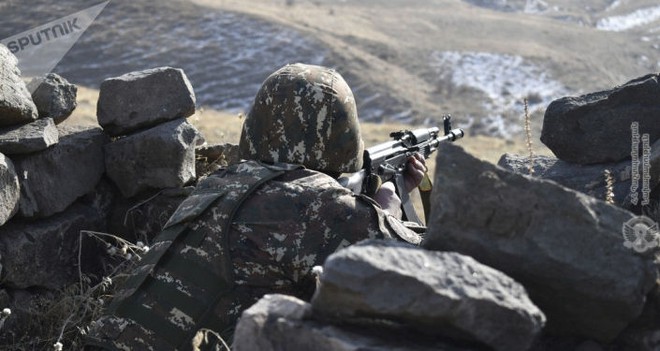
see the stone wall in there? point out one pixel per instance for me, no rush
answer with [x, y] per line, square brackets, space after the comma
[65, 190]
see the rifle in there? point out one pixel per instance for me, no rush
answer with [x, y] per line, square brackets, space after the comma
[387, 161]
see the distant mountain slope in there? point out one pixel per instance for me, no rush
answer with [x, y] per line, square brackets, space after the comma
[476, 59]
[226, 55]
[408, 61]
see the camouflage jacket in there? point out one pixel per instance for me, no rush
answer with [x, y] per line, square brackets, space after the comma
[237, 250]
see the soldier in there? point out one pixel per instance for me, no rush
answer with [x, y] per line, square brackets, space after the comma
[260, 226]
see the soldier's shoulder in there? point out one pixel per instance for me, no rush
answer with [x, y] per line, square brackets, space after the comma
[291, 177]
[310, 179]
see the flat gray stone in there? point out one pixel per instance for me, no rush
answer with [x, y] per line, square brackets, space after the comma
[439, 293]
[54, 178]
[280, 322]
[144, 99]
[158, 158]
[28, 138]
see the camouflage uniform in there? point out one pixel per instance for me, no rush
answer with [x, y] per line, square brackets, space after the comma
[283, 229]
[257, 227]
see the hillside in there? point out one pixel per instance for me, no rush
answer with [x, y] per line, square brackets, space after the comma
[408, 62]
[475, 59]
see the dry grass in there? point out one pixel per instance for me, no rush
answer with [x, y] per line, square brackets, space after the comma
[609, 187]
[64, 316]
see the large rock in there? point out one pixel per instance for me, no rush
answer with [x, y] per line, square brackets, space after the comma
[590, 179]
[157, 158]
[279, 322]
[440, 293]
[44, 253]
[140, 100]
[16, 105]
[54, 96]
[53, 179]
[565, 247]
[9, 189]
[596, 127]
[644, 333]
[28, 138]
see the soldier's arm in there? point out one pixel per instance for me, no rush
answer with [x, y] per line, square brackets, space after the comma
[386, 196]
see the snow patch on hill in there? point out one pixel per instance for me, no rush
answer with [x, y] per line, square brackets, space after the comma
[632, 20]
[505, 80]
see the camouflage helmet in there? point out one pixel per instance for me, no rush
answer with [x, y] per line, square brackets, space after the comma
[306, 115]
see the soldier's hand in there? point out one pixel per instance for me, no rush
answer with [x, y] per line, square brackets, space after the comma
[388, 200]
[386, 195]
[415, 170]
